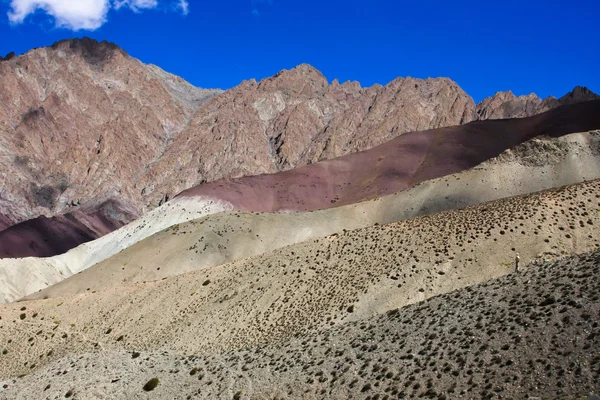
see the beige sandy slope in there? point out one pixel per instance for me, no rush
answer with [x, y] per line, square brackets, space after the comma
[307, 286]
[22, 276]
[530, 334]
[217, 239]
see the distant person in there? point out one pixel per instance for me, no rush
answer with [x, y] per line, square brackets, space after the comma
[517, 260]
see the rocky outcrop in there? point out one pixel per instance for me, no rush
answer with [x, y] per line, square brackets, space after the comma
[81, 121]
[507, 105]
[396, 165]
[578, 95]
[296, 118]
[8, 56]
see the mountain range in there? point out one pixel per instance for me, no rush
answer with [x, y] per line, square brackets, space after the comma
[81, 123]
[291, 237]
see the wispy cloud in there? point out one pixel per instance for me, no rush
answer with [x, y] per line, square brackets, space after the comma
[136, 5]
[184, 7]
[83, 14]
[256, 4]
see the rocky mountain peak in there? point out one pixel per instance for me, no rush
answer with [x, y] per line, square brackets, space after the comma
[577, 95]
[507, 105]
[303, 78]
[157, 134]
[91, 50]
[8, 56]
[306, 70]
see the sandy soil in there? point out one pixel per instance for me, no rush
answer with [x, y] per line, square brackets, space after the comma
[532, 334]
[305, 287]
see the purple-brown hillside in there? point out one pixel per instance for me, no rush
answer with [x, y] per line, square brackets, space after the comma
[46, 237]
[396, 165]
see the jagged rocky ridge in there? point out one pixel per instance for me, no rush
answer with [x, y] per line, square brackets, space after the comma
[82, 121]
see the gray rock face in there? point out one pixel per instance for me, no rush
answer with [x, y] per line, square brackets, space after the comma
[183, 92]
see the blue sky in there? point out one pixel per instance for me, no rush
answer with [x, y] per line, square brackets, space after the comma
[546, 47]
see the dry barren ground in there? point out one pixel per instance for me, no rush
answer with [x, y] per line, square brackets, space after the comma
[304, 288]
[532, 334]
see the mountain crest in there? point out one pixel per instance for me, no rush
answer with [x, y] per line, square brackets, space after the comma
[577, 95]
[91, 50]
[8, 56]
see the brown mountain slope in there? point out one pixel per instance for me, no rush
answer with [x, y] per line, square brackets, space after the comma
[228, 236]
[81, 121]
[45, 237]
[385, 169]
[396, 165]
[296, 118]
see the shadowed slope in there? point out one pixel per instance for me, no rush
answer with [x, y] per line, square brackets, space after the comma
[397, 165]
[46, 237]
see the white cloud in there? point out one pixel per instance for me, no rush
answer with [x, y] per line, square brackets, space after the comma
[75, 15]
[136, 5]
[83, 14]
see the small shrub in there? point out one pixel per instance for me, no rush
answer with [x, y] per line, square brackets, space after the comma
[151, 384]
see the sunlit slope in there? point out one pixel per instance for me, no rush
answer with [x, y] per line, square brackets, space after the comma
[22, 276]
[531, 334]
[308, 286]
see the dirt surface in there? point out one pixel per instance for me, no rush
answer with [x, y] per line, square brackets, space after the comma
[305, 287]
[21, 276]
[532, 334]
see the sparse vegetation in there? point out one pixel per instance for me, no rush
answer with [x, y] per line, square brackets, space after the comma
[151, 384]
